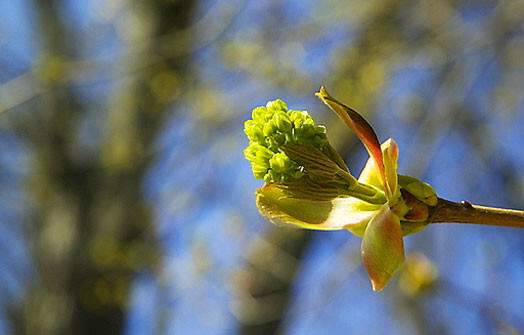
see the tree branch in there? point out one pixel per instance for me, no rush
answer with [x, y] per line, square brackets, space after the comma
[464, 212]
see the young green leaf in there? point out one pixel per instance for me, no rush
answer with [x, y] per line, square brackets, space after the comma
[382, 247]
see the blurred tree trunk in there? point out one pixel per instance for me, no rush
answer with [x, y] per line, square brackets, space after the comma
[265, 290]
[92, 227]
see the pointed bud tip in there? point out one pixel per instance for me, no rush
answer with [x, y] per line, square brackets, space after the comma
[322, 93]
[377, 287]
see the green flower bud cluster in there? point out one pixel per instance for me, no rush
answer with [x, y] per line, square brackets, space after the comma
[272, 127]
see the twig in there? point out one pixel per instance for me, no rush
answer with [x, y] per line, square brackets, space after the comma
[464, 212]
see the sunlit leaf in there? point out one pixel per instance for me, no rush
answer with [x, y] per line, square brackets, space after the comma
[337, 213]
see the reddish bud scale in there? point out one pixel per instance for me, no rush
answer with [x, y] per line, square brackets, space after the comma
[418, 211]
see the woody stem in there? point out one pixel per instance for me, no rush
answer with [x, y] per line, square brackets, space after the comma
[449, 211]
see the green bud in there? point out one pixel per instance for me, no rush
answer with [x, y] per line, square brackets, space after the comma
[263, 155]
[259, 171]
[298, 122]
[276, 106]
[320, 130]
[290, 138]
[269, 128]
[253, 131]
[319, 141]
[306, 131]
[280, 162]
[249, 124]
[282, 122]
[258, 114]
[279, 138]
[250, 154]
[271, 143]
[297, 115]
[419, 189]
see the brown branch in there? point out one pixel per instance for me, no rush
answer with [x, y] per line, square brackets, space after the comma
[464, 212]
